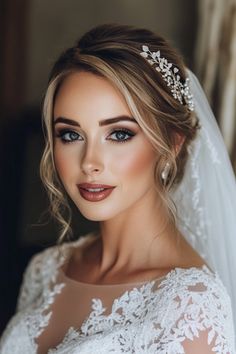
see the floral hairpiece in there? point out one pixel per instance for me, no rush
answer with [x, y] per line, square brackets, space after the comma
[180, 92]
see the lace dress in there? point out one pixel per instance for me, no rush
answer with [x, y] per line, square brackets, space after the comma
[186, 311]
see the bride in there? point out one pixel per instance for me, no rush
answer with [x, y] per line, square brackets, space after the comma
[132, 142]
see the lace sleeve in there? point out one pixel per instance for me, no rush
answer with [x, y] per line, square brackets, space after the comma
[200, 319]
[31, 282]
[193, 315]
[206, 324]
[40, 269]
[204, 344]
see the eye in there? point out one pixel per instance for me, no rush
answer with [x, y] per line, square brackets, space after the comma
[67, 136]
[120, 134]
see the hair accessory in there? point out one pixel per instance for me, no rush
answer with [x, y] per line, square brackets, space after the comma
[180, 92]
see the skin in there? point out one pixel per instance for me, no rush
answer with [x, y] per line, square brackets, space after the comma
[133, 215]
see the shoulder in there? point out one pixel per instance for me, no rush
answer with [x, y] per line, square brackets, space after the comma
[197, 313]
[35, 274]
[42, 267]
[192, 280]
[50, 256]
[198, 291]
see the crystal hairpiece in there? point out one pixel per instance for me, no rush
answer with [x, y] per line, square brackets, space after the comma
[180, 92]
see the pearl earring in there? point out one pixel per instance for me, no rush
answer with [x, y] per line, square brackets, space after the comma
[165, 172]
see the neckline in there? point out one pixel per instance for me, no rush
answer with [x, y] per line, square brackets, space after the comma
[87, 237]
[84, 284]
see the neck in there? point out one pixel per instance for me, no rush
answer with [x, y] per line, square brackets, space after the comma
[139, 238]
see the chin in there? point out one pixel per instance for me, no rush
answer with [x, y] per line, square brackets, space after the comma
[96, 213]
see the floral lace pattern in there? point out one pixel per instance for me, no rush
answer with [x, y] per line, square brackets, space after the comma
[37, 292]
[153, 318]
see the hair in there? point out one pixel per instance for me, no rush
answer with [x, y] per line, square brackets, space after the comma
[113, 51]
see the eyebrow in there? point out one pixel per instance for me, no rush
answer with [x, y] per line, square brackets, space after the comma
[101, 123]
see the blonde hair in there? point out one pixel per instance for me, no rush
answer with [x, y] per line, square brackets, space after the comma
[113, 52]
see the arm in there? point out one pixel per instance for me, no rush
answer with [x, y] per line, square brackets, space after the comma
[206, 323]
[201, 344]
[31, 282]
[193, 315]
[40, 270]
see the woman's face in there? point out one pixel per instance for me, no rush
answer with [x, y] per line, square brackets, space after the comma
[87, 149]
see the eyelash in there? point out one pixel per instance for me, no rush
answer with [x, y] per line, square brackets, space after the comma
[63, 132]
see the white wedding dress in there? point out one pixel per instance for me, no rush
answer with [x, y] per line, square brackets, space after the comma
[185, 311]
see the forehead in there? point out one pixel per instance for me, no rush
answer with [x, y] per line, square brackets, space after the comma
[86, 95]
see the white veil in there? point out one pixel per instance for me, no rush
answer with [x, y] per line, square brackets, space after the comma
[206, 198]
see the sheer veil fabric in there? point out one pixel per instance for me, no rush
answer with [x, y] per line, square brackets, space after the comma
[206, 197]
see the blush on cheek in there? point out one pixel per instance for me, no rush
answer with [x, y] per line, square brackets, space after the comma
[136, 162]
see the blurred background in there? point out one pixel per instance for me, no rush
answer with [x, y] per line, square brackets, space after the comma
[33, 34]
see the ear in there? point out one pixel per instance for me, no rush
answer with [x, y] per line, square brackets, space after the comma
[179, 140]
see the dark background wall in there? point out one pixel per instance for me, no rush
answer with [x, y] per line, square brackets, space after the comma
[33, 33]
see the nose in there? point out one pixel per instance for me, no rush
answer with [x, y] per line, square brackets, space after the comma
[91, 161]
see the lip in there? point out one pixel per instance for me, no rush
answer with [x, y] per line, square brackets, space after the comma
[93, 185]
[95, 196]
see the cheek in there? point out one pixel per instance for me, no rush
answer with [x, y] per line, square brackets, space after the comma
[135, 164]
[63, 162]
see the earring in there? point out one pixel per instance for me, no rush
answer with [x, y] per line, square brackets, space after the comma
[165, 172]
